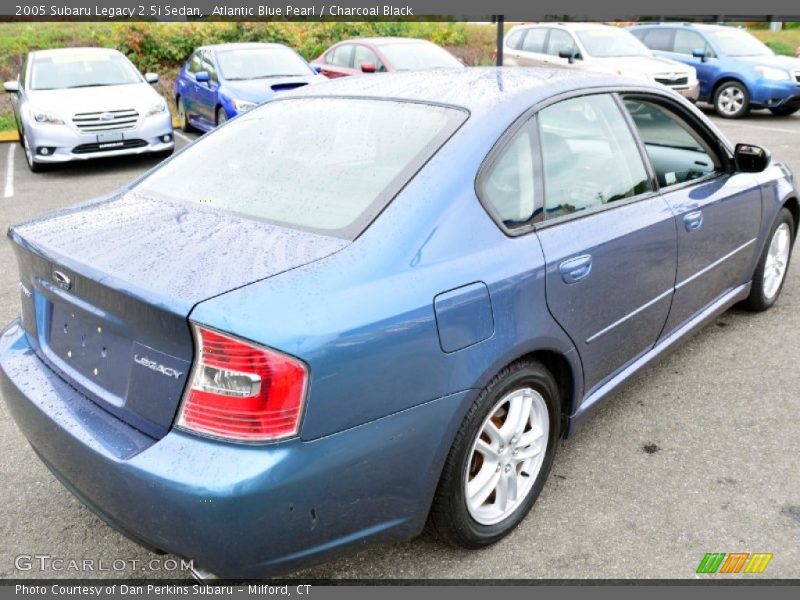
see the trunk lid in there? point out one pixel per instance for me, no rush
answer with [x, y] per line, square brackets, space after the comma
[107, 288]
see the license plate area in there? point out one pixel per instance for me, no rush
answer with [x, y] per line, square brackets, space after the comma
[110, 139]
[87, 348]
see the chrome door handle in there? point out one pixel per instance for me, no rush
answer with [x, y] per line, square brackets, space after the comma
[574, 269]
[693, 220]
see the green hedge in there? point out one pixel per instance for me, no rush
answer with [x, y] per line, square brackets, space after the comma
[154, 46]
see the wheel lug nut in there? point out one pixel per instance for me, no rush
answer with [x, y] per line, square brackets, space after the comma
[498, 468]
[508, 468]
[516, 452]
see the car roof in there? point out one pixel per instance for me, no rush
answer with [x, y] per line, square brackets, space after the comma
[570, 26]
[242, 46]
[683, 25]
[379, 41]
[81, 50]
[477, 89]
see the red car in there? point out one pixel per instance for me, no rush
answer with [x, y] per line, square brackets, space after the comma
[383, 55]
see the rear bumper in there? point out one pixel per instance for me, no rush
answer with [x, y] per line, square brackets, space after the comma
[236, 510]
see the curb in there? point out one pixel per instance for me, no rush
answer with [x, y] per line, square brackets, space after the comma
[13, 136]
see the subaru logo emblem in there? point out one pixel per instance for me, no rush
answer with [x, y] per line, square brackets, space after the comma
[61, 280]
[106, 116]
[673, 76]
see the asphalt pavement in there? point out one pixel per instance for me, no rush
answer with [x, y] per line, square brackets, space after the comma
[699, 454]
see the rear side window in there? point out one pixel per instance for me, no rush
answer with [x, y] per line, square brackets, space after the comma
[534, 40]
[589, 156]
[327, 165]
[657, 38]
[515, 39]
[509, 184]
[676, 151]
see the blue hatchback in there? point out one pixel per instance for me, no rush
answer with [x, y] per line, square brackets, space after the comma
[737, 71]
[257, 369]
[221, 81]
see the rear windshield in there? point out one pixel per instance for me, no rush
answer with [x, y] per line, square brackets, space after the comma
[328, 165]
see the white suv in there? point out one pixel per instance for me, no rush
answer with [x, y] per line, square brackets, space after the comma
[595, 47]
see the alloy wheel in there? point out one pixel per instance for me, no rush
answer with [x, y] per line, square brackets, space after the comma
[506, 456]
[731, 100]
[777, 260]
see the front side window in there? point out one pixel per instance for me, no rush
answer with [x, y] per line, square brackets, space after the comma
[509, 184]
[686, 42]
[534, 40]
[561, 41]
[328, 165]
[589, 156]
[610, 42]
[341, 56]
[676, 151]
[76, 70]
[195, 63]
[208, 66]
[364, 55]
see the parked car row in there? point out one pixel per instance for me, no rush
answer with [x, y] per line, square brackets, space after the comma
[725, 66]
[328, 362]
[63, 114]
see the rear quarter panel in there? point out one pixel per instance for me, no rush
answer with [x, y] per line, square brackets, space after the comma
[364, 321]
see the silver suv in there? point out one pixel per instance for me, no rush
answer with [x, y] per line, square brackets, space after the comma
[595, 47]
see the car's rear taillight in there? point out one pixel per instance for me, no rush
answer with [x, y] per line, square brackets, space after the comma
[242, 391]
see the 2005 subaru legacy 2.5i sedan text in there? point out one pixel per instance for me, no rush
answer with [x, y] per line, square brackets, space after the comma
[383, 307]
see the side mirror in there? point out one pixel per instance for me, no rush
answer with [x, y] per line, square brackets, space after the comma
[316, 68]
[701, 54]
[12, 87]
[367, 67]
[570, 55]
[751, 158]
[151, 77]
[202, 77]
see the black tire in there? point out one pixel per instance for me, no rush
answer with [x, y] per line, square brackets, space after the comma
[221, 116]
[183, 120]
[34, 166]
[450, 519]
[758, 300]
[731, 87]
[783, 111]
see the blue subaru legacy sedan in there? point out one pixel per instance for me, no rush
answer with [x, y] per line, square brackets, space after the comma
[737, 71]
[221, 81]
[383, 308]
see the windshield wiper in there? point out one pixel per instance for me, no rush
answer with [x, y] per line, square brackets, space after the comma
[85, 85]
[264, 76]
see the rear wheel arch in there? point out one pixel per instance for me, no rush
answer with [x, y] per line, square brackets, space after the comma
[559, 366]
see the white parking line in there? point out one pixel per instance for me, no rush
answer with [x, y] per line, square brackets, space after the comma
[9, 189]
[185, 138]
[765, 128]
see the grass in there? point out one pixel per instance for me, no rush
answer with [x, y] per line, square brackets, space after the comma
[7, 122]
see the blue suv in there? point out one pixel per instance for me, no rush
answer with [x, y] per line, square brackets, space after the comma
[737, 72]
